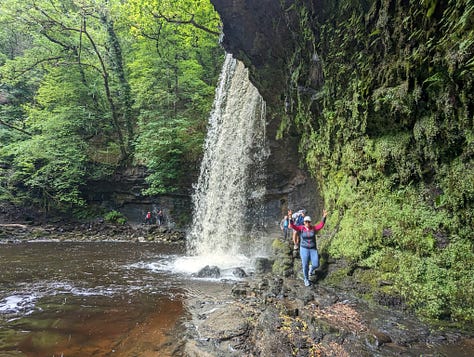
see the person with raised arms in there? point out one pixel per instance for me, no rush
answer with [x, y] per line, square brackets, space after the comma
[307, 244]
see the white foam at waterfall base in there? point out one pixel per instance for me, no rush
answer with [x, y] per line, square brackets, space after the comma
[192, 264]
[227, 208]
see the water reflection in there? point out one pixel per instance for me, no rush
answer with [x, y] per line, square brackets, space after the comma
[89, 299]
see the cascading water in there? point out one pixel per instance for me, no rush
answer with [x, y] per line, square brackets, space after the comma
[227, 199]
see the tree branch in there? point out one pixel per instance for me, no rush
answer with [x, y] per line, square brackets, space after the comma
[33, 66]
[14, 128]
[185, 22]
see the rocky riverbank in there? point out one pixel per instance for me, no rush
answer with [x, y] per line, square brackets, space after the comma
[96, 231]
[272, 316]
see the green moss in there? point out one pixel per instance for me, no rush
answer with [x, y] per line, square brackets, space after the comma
[283, 261]
[282, 267]
[389, 137]
[337, 277]
[280, 248]
[45, 340]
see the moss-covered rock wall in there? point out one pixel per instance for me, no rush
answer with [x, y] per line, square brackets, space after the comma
[380, 94]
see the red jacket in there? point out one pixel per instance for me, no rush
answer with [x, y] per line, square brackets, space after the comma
[308, 235]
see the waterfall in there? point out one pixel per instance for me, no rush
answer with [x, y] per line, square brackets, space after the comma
[227, 199]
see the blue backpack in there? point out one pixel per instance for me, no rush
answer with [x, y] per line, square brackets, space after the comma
[299, 219]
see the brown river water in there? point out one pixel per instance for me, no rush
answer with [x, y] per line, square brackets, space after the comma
[90, 299]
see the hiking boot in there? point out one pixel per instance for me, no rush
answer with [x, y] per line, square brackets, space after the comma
[306, 282]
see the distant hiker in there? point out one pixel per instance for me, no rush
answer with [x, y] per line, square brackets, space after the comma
[284, 225]
[297, 220]
[308, 247]
[159, 218]
[148, 218]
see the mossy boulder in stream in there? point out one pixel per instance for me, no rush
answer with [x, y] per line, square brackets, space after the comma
[283, 264]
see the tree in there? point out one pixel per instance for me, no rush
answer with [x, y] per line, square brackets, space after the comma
[173, 79]
[82, 84]
[77, 77]
[78, 35]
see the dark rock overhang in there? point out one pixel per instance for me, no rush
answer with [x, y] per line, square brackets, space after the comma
[256, 32]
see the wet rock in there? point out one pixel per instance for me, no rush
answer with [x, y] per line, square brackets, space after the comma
[389, 300]
[92, 232]
[267, 341]
[324, 299]
[275, 287]
[240, 290]
[263, 265]
[239, 273]
[208, 272]
[377, 339]
[277, 316]
[259, 287]
[224, 324]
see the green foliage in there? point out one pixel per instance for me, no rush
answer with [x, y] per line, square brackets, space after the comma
[173, 97]
[85, 81]
[439, 286]
[115, 217]
[161, 148]
[457, 195]
[53, 175]
[389, 135]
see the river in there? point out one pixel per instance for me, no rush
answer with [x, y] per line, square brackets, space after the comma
[91, 299]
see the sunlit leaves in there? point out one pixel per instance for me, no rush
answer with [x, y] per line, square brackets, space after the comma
[85, 78]
[173, 77]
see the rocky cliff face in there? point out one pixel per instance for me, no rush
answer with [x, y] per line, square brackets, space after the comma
[123, 192]
[258, 33]
[378, 97]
